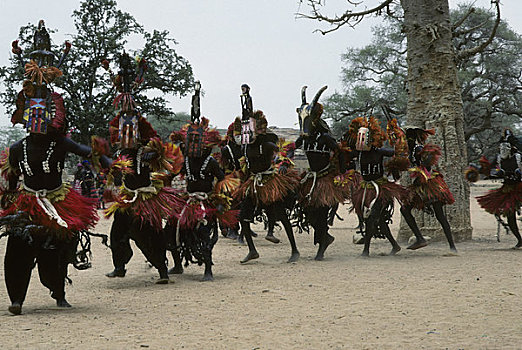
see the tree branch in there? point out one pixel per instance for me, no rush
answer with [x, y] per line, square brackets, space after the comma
[474, 50]
[349, 18]
[462, 19]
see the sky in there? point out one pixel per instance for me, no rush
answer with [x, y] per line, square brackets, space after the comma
[231, 42]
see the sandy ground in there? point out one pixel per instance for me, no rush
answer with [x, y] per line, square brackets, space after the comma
[425, 299]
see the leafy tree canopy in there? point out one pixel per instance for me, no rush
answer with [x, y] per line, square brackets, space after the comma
[102, 32]
[490, 80]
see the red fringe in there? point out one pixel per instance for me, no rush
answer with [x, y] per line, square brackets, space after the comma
[422, 193]
[77, 211]
[5, 167]
[397, 164]
[431, 150]
[325, 193]
[275, 189]
[99, 145]
[193, 213]
[485, 166]
[502, 201]
[388, 191]
[154, 210]
[211, 136]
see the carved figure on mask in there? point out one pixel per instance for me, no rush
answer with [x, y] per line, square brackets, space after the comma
[45, 217]
[141, 169]
[318, 192]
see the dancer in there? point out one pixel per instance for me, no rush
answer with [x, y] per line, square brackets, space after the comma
[194, 231]
[506, 200]
[267, 186]
[373, 199]
[43, 215]
[231, 156]
[429, 191]
[229, 159]
[318, 193]
[141, 162]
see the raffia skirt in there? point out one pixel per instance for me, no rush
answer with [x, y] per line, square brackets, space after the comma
[78, 212]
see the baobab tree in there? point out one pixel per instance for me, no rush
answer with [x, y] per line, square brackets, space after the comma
[434, 95]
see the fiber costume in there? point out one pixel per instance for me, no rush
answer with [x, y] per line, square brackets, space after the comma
[229, 162]
[267, 186]
[318, 192]
[232, 163]
[142, 161]
[43, 215]
[507, 200]
[373, 199]
[429, 191]
[194, 231]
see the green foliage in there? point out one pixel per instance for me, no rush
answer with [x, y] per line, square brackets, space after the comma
[165, 125]
[9, 135]
[490, 80]
[102, 31]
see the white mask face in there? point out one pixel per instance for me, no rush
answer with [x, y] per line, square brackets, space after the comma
[363, 140]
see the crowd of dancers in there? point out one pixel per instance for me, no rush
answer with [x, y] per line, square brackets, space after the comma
[229, 181]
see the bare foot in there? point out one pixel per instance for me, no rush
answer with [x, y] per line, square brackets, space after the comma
[322, 248]
[62, 303]
[395, 250]
[163, 281]
[15, 308]
[365, 254]
[250, 256]
[417, 245]
[453, 252]
[272, 239]
[208, 277]
[294, 257]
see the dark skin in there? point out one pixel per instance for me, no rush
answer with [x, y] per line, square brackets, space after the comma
[205, 185]
[318, 147]
[406, 210]
[372, 168]
[137, 179]
[231, 153]
[508, 170]
[260, 154]
[37, 146]
[151, 244]
[53, 269]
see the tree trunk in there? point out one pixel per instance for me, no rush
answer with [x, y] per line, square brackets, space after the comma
[434, 101]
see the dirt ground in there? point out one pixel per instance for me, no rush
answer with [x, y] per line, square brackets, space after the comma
[424, 299]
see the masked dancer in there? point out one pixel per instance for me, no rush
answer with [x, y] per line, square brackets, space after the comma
[267, 185]
[507, 200]
[140, 170]
[194, 231]
[373, 199]
[429, 191]
[318, 193]
[44, 216]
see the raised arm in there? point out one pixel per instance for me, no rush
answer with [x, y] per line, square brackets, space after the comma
[84, 151]
[386, 151]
